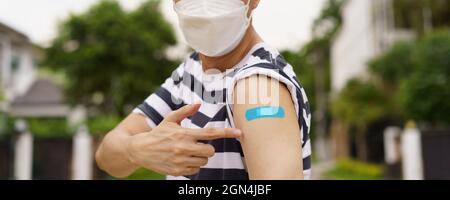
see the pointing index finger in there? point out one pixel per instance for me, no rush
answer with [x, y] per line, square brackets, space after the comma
[214, 133]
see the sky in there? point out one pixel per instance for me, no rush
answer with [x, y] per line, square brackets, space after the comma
[284, 24]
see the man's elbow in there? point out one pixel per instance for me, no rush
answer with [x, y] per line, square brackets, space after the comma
[99, 158]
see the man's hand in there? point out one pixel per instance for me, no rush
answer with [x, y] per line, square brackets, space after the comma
[172, 150]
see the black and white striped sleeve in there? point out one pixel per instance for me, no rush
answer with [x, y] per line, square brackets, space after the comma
[163, 101]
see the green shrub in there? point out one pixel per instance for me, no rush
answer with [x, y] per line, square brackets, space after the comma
[49, 127]
[6, 125]
[101, 125]
[39, 127]
[355, 170]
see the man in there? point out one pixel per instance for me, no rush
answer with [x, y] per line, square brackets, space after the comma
[217, 125]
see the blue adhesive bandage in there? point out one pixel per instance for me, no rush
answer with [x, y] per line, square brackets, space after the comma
[264, 112]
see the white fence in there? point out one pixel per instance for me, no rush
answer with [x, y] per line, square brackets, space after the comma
[82, 158]
[405, 147]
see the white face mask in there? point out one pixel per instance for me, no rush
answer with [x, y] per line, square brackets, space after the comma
[213, 27]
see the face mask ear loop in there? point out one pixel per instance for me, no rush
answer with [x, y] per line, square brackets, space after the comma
[249, 18]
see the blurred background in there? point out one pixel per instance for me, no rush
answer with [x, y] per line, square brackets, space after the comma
[376, 73]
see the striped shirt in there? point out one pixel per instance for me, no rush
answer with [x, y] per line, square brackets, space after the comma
[190, 84]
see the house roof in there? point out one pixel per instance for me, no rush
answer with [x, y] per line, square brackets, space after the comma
[43, 99]
[42, 91]
[15, 35]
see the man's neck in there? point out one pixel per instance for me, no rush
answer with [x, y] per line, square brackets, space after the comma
[229, 60]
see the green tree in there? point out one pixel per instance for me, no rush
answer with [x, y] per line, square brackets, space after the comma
[415, 75]
[112, 58]
[425, 94]
[394, 65]
[358, 105]
[388, 70]
[312, 64]
[317, 52]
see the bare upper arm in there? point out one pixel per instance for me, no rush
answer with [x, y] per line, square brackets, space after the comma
[272, 146]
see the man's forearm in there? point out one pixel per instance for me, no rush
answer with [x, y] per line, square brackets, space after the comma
[112, 155]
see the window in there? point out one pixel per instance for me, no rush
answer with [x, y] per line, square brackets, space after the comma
[405, 13]
[15, 63]
[413, 14]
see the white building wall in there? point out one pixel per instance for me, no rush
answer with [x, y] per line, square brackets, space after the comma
[354, 45]
[5, 61]
[17, 82]
[368, 31]
[24, 77]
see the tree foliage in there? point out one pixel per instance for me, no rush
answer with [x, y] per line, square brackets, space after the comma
[394, 65]
[325, 27]
[112, 58]
[425, 94]
[415, 76]
[359, 104]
